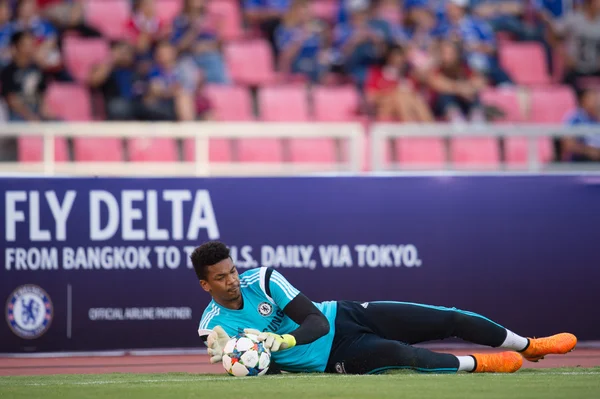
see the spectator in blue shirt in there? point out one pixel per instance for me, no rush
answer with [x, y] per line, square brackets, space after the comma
[301, 43]
[477, 39]
[6, 31]
[418, 33]
[48, 55]
[195, 33]
[266, 15]
[586, 148]
[361, 41]
[508, 16]
[165, 93]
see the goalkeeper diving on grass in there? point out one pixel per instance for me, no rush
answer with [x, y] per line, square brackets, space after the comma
[345, 336]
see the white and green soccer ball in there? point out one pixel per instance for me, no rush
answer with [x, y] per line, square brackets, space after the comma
[244, 356]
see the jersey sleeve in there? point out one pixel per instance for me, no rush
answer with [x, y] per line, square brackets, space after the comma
[277, 288]
[208, 321]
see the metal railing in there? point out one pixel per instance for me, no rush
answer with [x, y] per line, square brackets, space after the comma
[200, 132]
[381, 133]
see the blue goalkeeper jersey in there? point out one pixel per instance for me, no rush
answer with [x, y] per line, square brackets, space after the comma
[264, 312]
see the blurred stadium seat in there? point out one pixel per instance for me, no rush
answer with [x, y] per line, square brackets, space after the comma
[250, 62]
[418, 152]
[524, 62]
[168, 10]
[335, 103]
[505, 99]
[230, 16]
[475, 152]
[82, 54]
[108, 16]
[142, 149]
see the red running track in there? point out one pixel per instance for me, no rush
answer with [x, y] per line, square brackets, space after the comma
[198, 364]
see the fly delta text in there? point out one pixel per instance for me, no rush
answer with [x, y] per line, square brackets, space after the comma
[39, 225]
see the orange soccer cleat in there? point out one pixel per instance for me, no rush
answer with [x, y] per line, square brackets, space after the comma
[503, 362]
[558, 344]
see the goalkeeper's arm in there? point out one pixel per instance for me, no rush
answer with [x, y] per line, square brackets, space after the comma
[312, 322]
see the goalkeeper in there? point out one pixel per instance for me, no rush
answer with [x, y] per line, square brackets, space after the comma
[346, 336]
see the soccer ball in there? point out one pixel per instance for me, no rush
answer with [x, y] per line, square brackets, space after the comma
[244, 356]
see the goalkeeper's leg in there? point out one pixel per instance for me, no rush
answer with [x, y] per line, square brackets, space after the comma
[371, 354]
[414, 323]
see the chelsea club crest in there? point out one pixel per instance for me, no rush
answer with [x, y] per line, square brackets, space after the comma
[265, 308]
[29, 311]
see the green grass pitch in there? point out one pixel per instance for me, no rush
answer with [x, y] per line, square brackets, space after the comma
[577, 383]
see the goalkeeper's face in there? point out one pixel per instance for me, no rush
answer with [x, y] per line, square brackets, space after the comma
[223, 282]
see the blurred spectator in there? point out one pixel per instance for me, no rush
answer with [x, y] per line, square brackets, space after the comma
[202, 102]
[456, 86]
[195, 33]
[48, 55]
[165, 93]
[510, 16]
[144, 30]
[361, 41]
[391, 90]
[582, 32]
[417, 33]
[587, 148]
[120, 85]
[67, 15]
[477, 38]
[266, 16]
[6, 31]
[23, 87]
[301, 42]
[23, 82]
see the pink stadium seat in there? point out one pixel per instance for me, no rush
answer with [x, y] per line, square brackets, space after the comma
[145, 149]
[30, 149]
[335, 103]
[260, 150]
[69, 102]
[313, 150]
[167, 10]
[479, 152]
[425, 152]
[230, 103]
[548, 105]
[505, 99]
[324, 9]
[82, 54]
[551, 104]
[72, 103]
[230, 16]
[219, 150]
[524, 62]
[250, 62]
[516, 150]
[98, 150]
[283, 103]
[108, 16]
[289, 103]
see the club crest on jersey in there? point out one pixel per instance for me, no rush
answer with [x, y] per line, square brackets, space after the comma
[265, 309]
[29, 311]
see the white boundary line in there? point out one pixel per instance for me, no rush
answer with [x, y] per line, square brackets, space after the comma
[286, 376]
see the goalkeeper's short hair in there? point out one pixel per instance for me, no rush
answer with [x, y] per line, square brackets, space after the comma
[208, 254]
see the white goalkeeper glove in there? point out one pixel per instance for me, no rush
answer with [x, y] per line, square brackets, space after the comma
[216, 342]
[273, 342]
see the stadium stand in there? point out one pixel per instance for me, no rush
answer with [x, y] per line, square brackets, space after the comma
[261, 90]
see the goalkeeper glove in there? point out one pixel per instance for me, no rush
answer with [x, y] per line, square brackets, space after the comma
[216, 342]
[273, 342]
